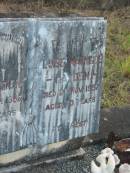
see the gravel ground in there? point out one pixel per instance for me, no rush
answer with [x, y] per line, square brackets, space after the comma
[75, 166]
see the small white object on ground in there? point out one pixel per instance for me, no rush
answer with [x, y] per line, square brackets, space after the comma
[105, 166]
[117, 160]
[107, 150]
[108, 161]
[110, 151]
[125, 168]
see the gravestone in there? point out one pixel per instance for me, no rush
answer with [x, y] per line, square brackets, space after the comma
[50, 79]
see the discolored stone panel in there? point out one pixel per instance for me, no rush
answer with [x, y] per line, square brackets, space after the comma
[12, 89]
[50, 79]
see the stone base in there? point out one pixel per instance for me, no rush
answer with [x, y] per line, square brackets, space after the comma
[76, 154]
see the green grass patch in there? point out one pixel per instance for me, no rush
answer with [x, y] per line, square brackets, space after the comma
[126, 67]
[116, 86]
[126, 43]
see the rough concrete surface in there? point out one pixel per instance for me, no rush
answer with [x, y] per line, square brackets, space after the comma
[73, 166]
[115, 120]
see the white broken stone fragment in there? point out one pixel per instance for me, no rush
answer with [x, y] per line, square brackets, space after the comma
[107, 151]
[117, 160]
[125, 168]
[105, 166]
[110, 151]
[107, 160]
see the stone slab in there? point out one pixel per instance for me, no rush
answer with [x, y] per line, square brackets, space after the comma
[51, 73]
[77, 154]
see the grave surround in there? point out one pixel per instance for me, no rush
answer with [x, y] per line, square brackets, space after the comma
[51, 72]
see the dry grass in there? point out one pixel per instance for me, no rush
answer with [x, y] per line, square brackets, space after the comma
[116, 91]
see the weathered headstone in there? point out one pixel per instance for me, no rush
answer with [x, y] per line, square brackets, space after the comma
[50, 79]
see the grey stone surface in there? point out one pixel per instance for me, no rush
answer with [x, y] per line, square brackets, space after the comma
[50, 79]
[117, 120]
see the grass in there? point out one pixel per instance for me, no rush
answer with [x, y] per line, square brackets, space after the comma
[126, 43]
[116, 86]
[125, 66]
